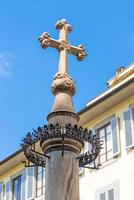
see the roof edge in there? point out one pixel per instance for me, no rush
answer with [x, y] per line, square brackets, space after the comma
[11, 156]
[103, 98]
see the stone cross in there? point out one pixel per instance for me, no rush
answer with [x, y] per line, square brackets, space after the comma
[61, 141]
[62, 45]
[62, 169]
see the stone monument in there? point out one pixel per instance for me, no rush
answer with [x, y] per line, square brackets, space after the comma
[61, 141]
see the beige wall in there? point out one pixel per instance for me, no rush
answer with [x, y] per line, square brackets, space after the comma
[6, 176]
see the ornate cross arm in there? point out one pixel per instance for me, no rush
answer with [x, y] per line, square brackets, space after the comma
[46, 41]
[79, 52]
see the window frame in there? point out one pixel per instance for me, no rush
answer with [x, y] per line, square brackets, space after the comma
[105, 138]
[105, 189]
[107, 194]
[42, 185]
[13, 181]
[3, 191]
[113, 120]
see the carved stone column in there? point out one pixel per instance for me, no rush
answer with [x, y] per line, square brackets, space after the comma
[62, 168]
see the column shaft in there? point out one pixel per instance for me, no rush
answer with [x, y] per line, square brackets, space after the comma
[62, 176]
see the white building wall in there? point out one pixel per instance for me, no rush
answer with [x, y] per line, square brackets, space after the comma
[119, 171]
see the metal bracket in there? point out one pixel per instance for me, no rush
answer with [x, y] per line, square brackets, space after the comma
[28, 165]
[40, 154]
[63, 144]
[85, 159]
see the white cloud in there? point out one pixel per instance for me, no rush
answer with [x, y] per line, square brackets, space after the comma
[6, 64]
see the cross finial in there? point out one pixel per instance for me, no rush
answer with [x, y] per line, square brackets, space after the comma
[62, 45]
[62, 24]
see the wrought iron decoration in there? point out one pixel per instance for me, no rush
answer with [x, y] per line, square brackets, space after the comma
[57, 131]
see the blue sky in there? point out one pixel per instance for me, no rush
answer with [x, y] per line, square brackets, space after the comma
[106, 28]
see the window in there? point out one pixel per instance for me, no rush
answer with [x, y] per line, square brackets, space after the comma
[108, 192]
[1, 190]
[17, 188]
[105, 135]
[108, 132]
[4, 191]
[40, 181]
[107, 195]
[30, 184]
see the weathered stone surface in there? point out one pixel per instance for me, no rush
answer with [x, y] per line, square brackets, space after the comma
[62, 176]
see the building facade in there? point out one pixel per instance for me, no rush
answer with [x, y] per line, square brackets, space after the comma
[111, 117]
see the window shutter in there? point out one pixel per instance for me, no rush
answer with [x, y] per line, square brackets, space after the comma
[8, 190]
[115, 136]
[30, 182]
[133, 119]
[128, 128]
[103, 196]
[111, 194]
[1, 186]
[23, 185]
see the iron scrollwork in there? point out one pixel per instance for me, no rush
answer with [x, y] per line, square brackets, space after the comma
[57, 131]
